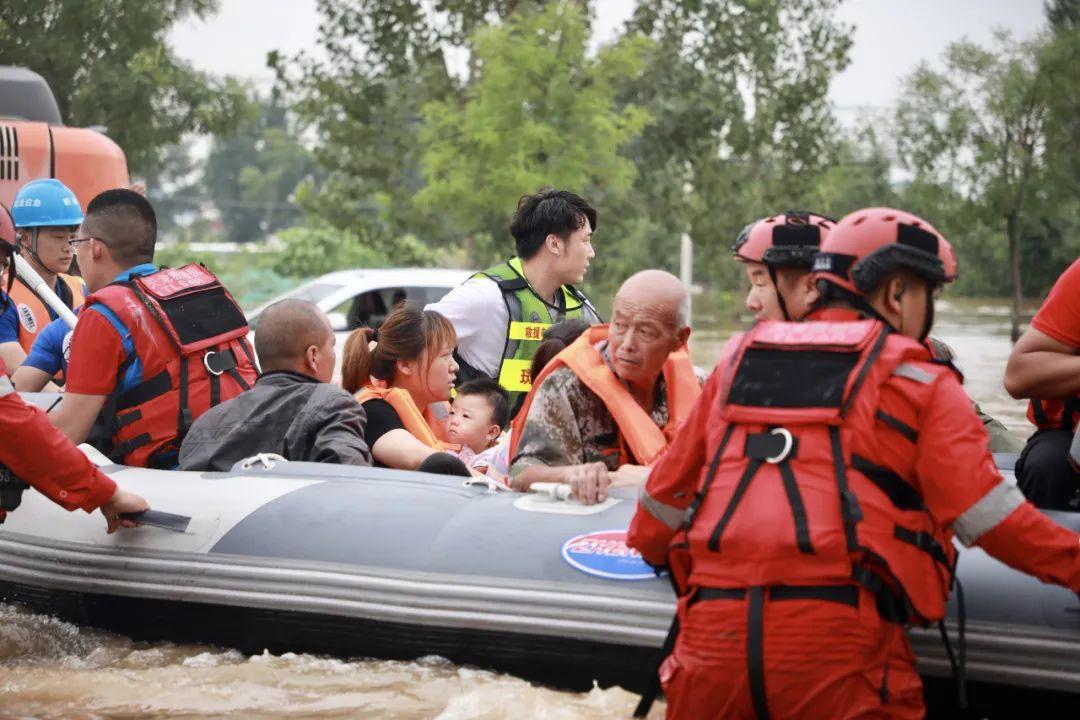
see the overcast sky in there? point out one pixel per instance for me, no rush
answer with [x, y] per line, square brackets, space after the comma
[891, 37]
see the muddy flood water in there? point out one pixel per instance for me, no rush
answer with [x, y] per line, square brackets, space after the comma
[53, 669]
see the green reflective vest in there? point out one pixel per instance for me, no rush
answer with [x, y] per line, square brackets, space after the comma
[530, 316]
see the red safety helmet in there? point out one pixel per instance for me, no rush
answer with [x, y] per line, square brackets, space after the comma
[870, 243]
[8, 246]
[787, 240]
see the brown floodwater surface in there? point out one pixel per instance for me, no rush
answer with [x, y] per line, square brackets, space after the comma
[53, 669]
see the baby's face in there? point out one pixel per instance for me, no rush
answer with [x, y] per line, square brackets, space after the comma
[470, 422]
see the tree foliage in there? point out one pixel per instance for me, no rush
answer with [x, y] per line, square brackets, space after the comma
[538, 111]
[742, 126]
[384, 60]
[975, 134]
[108, 63]
[431, 117]
[251, 175]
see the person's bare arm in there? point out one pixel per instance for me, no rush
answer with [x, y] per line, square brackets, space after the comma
[31, 379]
[75, 416]
[400, 449]
[1042, 367]
[12, 354]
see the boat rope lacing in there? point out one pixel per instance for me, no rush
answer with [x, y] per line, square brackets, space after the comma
[268, 460]
[491, 484]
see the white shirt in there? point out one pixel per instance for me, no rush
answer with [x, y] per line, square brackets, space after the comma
[478, 313]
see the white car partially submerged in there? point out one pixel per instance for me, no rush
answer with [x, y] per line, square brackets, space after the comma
[358, 298]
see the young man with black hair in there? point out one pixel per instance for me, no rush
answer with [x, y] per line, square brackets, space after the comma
[153, 349]
[501, 313]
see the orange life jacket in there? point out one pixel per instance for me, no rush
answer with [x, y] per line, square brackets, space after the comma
[189, 352]
[1054, 414]
[33, 313]
[784, 501]
[641, 441]
[423, 426]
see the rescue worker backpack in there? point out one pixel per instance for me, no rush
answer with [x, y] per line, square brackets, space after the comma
[190, 353]
[786, 502]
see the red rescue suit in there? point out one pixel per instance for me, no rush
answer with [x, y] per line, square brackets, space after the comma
[42, 456]
[192, 353]
[822, 476]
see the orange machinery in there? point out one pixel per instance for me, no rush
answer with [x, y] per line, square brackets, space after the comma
[34, 143]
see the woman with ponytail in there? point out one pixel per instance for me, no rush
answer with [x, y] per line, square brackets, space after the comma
[402, 374]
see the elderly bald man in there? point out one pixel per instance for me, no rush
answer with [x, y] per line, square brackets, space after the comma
[292, 410]
[613, 399]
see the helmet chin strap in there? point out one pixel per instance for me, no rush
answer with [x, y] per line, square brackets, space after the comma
[928, 321]
[928, 315]
[779, 295]
[32, 250]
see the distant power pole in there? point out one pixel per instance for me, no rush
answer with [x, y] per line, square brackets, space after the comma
[686, 264]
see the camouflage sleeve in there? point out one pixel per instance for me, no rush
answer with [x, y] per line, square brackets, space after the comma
[551, 434]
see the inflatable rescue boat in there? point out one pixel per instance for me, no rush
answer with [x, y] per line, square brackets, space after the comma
[368, 562]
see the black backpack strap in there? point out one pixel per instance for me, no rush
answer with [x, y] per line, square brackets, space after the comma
[183, 417]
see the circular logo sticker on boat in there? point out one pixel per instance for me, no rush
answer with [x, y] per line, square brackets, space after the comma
[605, 554]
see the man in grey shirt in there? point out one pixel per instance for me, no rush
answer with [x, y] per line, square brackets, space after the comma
[292, 410]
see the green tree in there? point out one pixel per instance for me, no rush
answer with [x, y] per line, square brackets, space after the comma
[738, 90]
[978, 129]
[858, 176]
[384, 60]
[252, 174]
[108, 63]
[538, 111]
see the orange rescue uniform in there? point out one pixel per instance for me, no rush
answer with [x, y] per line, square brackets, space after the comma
[803, 559]
[42, 456]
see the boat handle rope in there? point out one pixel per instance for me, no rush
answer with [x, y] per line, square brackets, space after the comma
[268, 460]
[556, 491]
[157, 518]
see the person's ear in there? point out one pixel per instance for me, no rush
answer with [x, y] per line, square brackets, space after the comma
[97, 249]
[554, 244]
[683, 335]
[311, 356]
[493, 432]
[809, 288]
[405, 367]
[894, 293]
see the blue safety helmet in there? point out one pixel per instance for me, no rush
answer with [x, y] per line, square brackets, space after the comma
[46, 203]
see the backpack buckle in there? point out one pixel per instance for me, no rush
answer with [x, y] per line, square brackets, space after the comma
[217, 363]
[789, 443]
